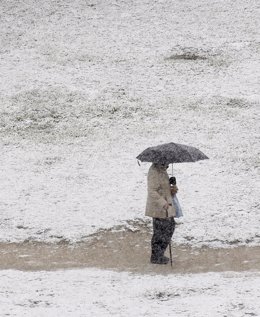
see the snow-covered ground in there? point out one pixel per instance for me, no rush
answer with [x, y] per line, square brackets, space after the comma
[104, 293]
[85, 86]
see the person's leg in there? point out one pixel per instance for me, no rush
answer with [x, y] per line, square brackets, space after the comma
[162, 233]
[157, 239]
[167, 233]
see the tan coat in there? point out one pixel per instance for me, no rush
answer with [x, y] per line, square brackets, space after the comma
[159, 193]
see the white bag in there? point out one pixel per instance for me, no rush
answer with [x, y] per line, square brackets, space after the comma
[177, 206]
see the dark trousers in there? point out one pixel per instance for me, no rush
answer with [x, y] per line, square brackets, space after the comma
[162, 233]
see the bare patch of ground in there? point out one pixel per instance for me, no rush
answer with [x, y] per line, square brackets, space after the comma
[186, 56]
[124, 251]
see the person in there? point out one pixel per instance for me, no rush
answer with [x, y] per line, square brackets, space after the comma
[159, 206]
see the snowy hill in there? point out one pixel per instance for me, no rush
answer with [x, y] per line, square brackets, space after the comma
[86, 86]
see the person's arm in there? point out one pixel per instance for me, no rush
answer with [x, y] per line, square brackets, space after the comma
[153, 191]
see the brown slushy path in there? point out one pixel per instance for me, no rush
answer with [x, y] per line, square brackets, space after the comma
[124, 251]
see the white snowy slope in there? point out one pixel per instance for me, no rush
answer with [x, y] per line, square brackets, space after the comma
[85, 86]
[86, 293]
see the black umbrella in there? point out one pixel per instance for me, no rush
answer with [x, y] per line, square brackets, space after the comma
[171, 153]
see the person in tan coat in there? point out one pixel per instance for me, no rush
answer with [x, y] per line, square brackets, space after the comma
[159, 207]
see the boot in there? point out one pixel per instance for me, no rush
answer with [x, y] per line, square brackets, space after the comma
[161, 260]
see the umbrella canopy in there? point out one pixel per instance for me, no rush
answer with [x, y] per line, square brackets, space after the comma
[171, 153]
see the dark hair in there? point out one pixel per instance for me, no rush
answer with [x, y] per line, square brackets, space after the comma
[161, 165]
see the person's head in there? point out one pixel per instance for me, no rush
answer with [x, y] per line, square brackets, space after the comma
[162, 166]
